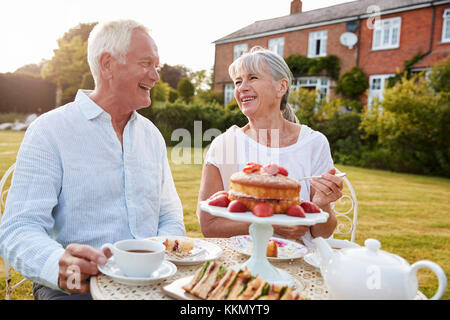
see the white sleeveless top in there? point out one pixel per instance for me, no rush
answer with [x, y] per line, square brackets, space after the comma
[310, 155]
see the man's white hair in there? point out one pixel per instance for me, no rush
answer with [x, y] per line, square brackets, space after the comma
[113, 37]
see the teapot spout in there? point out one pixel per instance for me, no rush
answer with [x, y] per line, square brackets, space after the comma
[324, 249]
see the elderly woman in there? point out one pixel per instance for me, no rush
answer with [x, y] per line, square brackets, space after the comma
[272, 135]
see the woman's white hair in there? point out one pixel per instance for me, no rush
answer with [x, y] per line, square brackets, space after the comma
[113, 37]
[258, 58]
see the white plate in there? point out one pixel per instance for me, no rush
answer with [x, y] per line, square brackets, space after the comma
[203, 251]
[111, 269]
[287, 249]
[279, 219]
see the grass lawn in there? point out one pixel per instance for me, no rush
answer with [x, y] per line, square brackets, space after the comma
[408, 214]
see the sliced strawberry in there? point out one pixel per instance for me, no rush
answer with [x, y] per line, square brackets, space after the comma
[218, 193]
[249, 168]
[296, 211]
[271, 169]
[310, 207]
[250, 163]
[262, 210]
[237, 206]
[283, 171]
[219, 201]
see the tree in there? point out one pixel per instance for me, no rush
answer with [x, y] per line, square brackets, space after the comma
[199, 79]
[440, 76]
[186, 89]
[32, 69]
[68, 67]
[173, 74]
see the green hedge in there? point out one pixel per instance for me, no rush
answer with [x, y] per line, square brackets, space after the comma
[171, 116]
[25, 93]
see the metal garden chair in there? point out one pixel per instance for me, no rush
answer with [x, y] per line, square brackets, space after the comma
[3, 193]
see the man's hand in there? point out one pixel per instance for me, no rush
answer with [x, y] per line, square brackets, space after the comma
[76, 265]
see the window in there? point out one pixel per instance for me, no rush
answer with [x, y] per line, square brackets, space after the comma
[386, 34]
[446, 26]
[277, 45]
[377, 84]
[239, 50]
[320, 85]
[317, 45]
[228, 93]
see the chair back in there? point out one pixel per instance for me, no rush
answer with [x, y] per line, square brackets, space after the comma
[346, 211]
[3, 194]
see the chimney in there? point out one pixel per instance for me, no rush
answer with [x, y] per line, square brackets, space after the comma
[296, 6]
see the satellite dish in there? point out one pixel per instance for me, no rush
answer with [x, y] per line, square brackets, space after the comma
[348, 39]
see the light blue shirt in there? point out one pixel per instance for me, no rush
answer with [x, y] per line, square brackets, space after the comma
[73, 183]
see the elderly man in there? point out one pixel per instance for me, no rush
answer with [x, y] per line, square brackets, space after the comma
[92, 171]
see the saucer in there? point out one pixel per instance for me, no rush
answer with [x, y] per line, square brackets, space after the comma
[166, 270]
[203, 251]
[313, 259]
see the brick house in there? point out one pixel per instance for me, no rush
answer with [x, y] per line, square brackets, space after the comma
[386, 32]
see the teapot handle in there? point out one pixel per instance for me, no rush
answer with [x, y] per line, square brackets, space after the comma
[437, 270]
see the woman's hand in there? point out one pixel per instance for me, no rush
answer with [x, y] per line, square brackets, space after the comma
[326, 189]
[290, 232]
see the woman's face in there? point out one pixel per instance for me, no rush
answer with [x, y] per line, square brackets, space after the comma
[258, 95]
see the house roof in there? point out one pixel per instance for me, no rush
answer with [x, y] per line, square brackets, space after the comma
[328, 15]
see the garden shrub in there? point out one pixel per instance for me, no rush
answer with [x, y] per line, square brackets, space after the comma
[160, 91]
[411, 126]
[186, 89]
[352, 83]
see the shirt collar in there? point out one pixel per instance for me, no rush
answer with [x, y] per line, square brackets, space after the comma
[90, 109]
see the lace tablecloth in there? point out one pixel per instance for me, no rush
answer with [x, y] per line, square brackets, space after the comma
[308, 279]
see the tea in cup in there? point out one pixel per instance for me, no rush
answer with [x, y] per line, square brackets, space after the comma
[137, 258]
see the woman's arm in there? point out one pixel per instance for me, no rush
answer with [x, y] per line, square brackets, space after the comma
[213, 226]
[324, 191]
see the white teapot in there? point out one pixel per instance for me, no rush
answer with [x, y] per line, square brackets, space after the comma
[368, 273]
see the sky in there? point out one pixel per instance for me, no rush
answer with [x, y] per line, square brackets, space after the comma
[183, 30]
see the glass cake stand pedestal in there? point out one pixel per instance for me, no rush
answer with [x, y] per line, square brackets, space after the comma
[261, 230]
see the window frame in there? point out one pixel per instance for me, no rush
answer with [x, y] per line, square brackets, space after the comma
[275, 44]
[371, 95]
[445, 25]
[238, 50]
[313, 37]
[228, 93]
[395, 23]
[321, 85]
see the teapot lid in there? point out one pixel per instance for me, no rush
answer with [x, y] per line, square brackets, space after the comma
[372, 254]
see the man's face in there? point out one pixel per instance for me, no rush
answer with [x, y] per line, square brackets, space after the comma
[132, 81]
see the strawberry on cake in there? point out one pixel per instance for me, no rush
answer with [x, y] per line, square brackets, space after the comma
[269, 185]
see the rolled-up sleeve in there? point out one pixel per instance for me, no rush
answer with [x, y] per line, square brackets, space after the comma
[25, 240]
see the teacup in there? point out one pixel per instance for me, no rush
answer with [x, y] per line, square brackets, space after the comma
[137, 258]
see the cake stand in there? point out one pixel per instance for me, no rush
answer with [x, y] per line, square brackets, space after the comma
[260, 231]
